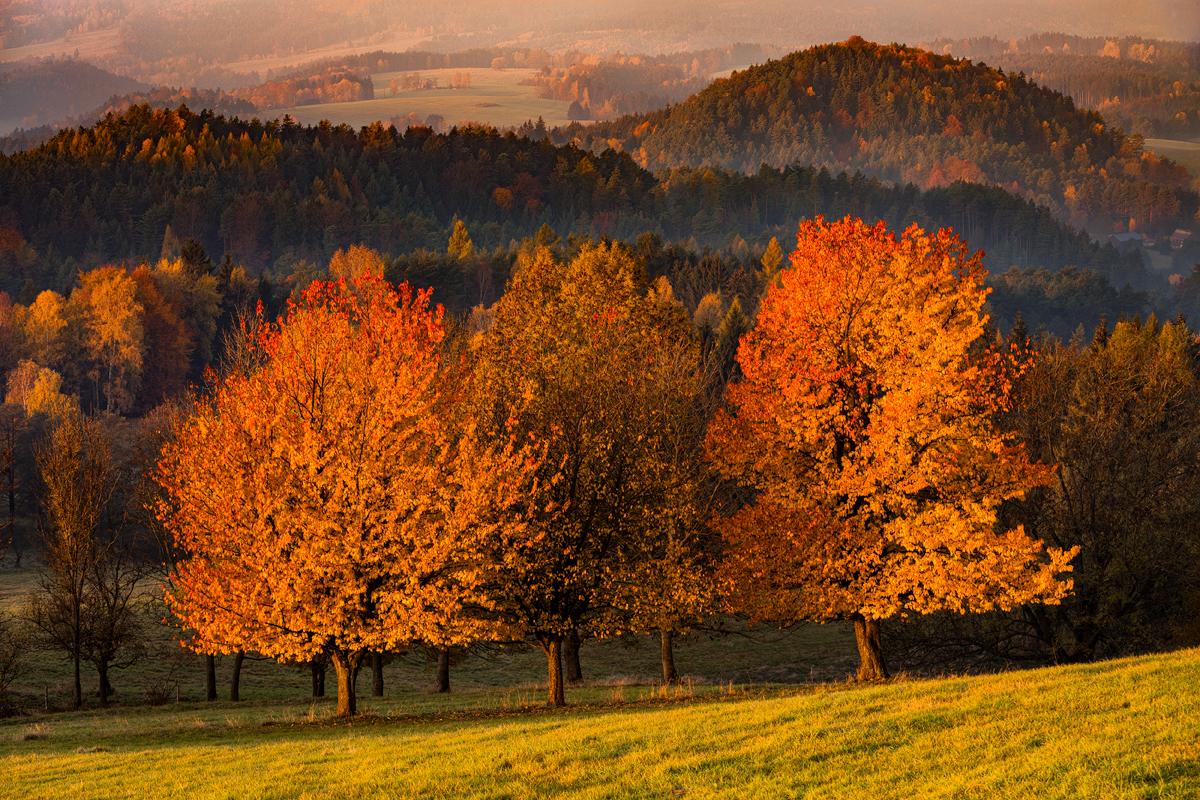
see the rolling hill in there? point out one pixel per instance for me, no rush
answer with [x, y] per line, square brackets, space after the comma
[911, 116]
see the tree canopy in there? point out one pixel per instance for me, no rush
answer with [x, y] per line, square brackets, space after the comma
[328, 496]
[865, 425]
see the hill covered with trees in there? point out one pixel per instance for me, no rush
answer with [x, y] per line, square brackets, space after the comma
[32, 95]
[270, 191]
[911, 116]
[1146, 86]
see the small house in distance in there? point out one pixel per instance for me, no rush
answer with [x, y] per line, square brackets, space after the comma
[1179, 238]
[1124, 242]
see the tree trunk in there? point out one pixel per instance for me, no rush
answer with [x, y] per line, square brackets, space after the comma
[236, 681]
[668, 657]
[76, 654]
[318, 679]
[376, 674]
[870, 649]
[443, 670]
[556, 695]
[346, 665]
[571, 656]
[105, 686]
[210, 678]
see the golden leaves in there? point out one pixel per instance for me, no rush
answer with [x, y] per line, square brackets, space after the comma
[327, 491]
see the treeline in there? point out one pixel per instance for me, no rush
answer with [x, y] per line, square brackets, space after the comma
[607, 88]
[274, 194]
[911, 116]
[164, 97]
[612, 89]
[173, 317]
[333, 85]
[633, 543]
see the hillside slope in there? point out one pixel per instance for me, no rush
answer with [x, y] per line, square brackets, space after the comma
[1122, 729]
[911, 116]
[42, 93]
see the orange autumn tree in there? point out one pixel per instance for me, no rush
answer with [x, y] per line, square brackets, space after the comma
[866, 425]
[330, 495]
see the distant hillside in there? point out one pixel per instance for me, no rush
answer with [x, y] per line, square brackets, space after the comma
[272, 193]
[33, 95]
[1146, 86]
[164, 97]
[911, 116]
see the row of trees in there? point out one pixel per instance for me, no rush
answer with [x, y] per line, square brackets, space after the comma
[365, 480]
[569, 463]
[123, 341]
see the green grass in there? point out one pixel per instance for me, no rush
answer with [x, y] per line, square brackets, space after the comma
[1123, 729]
[494, 98]
[1186, 154]
[753, 720]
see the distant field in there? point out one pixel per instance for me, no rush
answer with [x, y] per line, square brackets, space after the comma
[1184, 153]
[494, 98]
[92, 44]
[1122, 729]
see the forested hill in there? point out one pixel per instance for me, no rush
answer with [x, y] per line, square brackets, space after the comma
[911, 116]
[280, 199]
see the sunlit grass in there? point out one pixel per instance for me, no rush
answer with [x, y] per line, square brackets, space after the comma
[1123, 729]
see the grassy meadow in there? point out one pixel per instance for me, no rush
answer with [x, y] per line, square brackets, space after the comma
[494, 98]
[1187, 154]
[1121, 729]
[754, 718]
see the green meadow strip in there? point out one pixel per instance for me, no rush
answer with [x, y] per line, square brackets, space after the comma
[1122, 729]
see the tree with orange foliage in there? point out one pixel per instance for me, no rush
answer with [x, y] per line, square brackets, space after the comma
[356, 262]
[866, 425]
[331, 496]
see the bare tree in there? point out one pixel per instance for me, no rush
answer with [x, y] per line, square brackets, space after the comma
[87, 607]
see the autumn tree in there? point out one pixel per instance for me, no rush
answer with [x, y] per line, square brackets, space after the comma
[460, 246]
[114, 334]
[772, 262]
[356, 262]
[866, 426]
[39, 330]
[330, 500]
[75, 466]
[585, 358]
